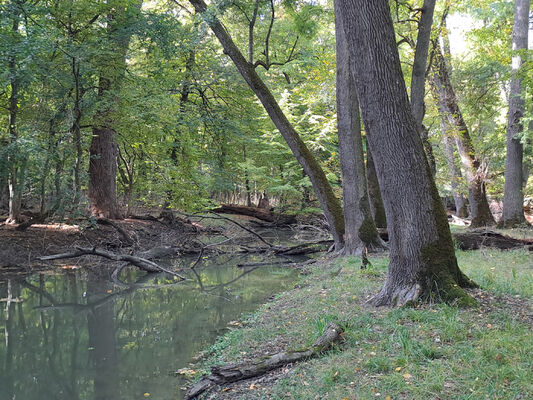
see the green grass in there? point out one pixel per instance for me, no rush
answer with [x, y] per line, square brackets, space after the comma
[428, 352]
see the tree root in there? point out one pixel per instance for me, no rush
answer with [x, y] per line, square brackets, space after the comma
[236, 372]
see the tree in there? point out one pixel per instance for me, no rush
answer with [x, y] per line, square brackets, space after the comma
[422, 257]
[360, 231]
[329, 203]
[104, 150]
[474, 168]
[513, 208]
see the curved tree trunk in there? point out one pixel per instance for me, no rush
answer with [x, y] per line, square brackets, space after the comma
[324, 192]
[474, 168]
[374, 193]
[360, 229]
[422, 257]
[513, 199]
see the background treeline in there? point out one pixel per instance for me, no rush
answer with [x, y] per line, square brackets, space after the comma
[188, 132]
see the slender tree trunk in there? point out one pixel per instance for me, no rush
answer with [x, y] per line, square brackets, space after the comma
[455, 173]
[14, 183]
[418, 77]
[360, 229]
[76, 125]
[474, 168]
[422, 258]
[374, 193]
[330, 204]
[103, 150]
[513, 199]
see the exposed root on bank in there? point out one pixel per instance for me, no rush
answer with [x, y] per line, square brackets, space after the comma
[239, 371]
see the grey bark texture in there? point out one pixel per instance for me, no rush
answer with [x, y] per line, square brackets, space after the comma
[360, 229]
[455, 172]
[422, 257]
[374, 193]
[513, 199]
[474, 168]
[330, 204]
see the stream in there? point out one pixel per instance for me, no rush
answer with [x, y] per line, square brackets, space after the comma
[76, 335]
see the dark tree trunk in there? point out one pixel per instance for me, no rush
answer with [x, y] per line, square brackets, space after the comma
[330, 204]
[474, 168]
[360, 229]
[422, 258]
[103, 151]
[374, 193]
[418, 77]
[455, 173]
[513, 199]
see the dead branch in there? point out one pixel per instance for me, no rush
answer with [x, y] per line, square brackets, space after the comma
[236, 372]
[143, 263]
[125, 235]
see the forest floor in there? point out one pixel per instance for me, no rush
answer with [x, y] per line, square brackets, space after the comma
[433, 351]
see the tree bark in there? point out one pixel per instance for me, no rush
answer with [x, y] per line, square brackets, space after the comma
[360, 229]
[422, 258]
[474, 168]
[330, 204]
[103, 150]
[418, 77]
[455, 173]
[374, 192]
[513, 199]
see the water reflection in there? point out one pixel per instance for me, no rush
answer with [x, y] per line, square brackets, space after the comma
[79, 336]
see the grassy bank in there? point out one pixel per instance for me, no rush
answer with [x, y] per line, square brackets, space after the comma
[431, 352]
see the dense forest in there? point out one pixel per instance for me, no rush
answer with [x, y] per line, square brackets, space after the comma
[376, 124]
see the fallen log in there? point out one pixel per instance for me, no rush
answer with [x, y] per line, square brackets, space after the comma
[259, 213]
[483, 238]
[142, 263]
[239, 371]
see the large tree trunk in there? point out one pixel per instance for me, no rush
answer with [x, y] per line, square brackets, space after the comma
[14, 181]
[360, 229]
[474, 168]
[374, 193]
[513, 199]
[104, 151]
[455, 173]
[422, 258]
[329, 203]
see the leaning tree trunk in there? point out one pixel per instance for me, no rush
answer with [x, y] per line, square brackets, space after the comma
[422, 257]
[330, 204]
[474, 168]
[360, 231]
[103, 151]
[455, 173]
[374, 193]
[513, 199]
[418, 77]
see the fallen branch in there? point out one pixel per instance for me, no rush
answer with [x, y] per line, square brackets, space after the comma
[236, 372]
[125, 235]
[484, 238]
[143, 263]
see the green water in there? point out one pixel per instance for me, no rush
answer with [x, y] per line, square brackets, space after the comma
[77, 335]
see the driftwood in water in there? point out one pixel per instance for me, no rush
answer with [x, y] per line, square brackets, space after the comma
[236, 372]
[483, 238]
[143, 263]
[259, 213]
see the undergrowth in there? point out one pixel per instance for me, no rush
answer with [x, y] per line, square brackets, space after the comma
[430, 352]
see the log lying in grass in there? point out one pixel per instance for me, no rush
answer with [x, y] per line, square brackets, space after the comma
[142, 263]
[482, 238]
[236, 372]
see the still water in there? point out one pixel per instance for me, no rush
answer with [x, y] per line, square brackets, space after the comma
[78, 336]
